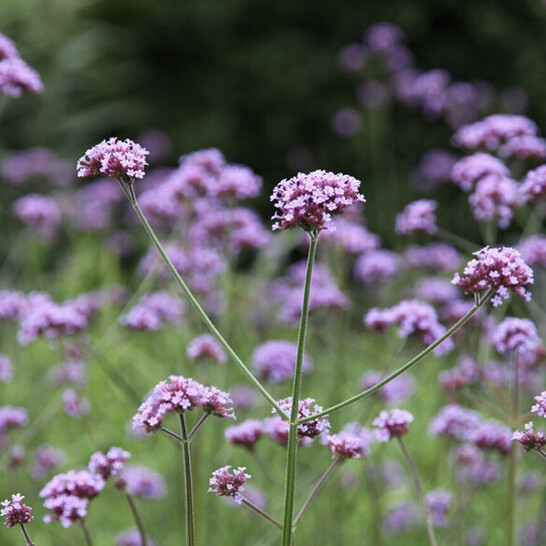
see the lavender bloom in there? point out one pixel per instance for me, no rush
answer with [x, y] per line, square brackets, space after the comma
[45, 459]
[352, 57]
[8, 49]
[434, 169]
[437, 256]
[532, 249]
[494, 130]
[142, 482]
[12, 417]
[114, 158]
[16, 457]
[70, 373]
[96, 203]
[306, 408]
[67, 509]
[244, 397]
[515, 334]
[495, 197]
[438, 503]
[275, 360]
[436, 290]
[530, 439]
[40, 213]
[473, 467]
[12, 304]
[15, 511]
[226, 483]
[161, 206]
[454, 421]
[492, 434]
[346, 122]
[466, 372]
[75, 405]
[397, 390]
[211, 159]
[383, 37]
[236, 181]
[417, 217]
[499, 268]
[206, 348]
[392, 424]
[217, 402]
[351, 236]
[469, 170]
[534, 184]
[6, 369]
[400, 518]
[377, 266]
[540, 407]
[131, 537]
[109, 464]
[152, 310]
[310, 200]
[245, 434]
[17, 77]
[353, 442]
[524, 147]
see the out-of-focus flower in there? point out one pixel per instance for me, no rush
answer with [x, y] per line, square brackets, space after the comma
[392, 424]
[45, 459]
[438, 504]
[12, 417]
[515, 334]
[498, 268]
[205, 348]
[417, 217]
[131, 537]
[492, 434]
[378, 266]
[12, 303]
[142, 482]
[40, 213]
[524, 147]
[152, 310]
[6, 369]
[469, 170]
[434, 168]
[74, 404]
[353, 442]
[8, 49]
[352, 236]
[534, 184]
[436, 256]
[346, 122]
[226, 483]
[540, 406]
[352, 57]
[16, 511]
[275, 360]
[454, 421]
[400, 518]
[533, 250]
[16, 457]
[17, 77]
[245, 434]
[397, 390]
[310, 200]
[436, 290]
[122, 160]
[109, 464]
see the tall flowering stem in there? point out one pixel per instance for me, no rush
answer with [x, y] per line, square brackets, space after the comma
[478, 305]
[138, 520]
[86, 534]
[417, 483]
[190, 515]
[129, 191]
[511, 492]
[290, 481]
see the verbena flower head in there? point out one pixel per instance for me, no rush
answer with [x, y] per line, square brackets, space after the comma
[306, 408]
[152, 311]
[217, 402]
[245, 434]
[310, 200]
[533, 250]
[109, 464]
[80, 483]
[397, 390]
[515, 334]
[378, 266]
[236, 181]
[438, 504]
[17, 77]
[142, 482]
[392, 424]
[205, 348]
[540, 406]
[352, 236]
[499, 268]
[524, 147]
[12, 303]
[275, 360]
[454, 421]
[74, 404]
[436, 290]
[177, 394]
[469, 170]
[12, 417]
[400, 518]
[45, 459]
[534, 184]
[122, 160]
[8, 49]
[491, 435]
[353, 442]
[227, 483]
[16, 511]
[417, 217]
[530, 439]
[436, 256]
[66, 509]
[40, 212]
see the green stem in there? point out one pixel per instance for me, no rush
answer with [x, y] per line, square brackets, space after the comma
[138, 520]
[375, 503]
[406, 366]
[461, 242]
[316, 489]
[171, 434]
[261, 513]
[195, 304]
[198, 425]
[26, 535]
[511, 493]
[417, 483]
[190, 515]
[290, 482]
[86, 534]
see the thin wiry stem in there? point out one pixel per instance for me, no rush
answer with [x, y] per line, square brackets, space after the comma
[482, 301]
[190, 514]
[198, 425]
[316, 490]
[138, 520]
[26, 535]
[417, 483]
[129, 191]
[261, 513]
[86, 534]
[171, 434]
[290, 481]
[511, 491]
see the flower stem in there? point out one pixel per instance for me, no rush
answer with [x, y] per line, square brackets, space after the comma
[200, 311]
[417, 483]
[261, 513]
[198, 425]
[375, 503]
[190, 516]
[290, 482]
[457, 240]
[316, 490]
[265, 469]
[138, 520]
[26, 535]
[511, 492]
[406, 366]
[171, 434]
[86, 534]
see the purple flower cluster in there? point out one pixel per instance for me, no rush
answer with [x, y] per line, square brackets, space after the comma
[17, 77]
[74, 404]
[227, 483]
[140, 481]
[469, 170]
[534, 184]
[40, 213]
[152, 311]
[275, 360]
[515, 334]
[352, 236]
[436, 256]
[413, 317]
[205, 348]
[108, 464]
[16, 511]
[8, 49]
[524, 147]
[417, 217]
[310, 200]
[532, 249]
[11, 417]
[465, 373]
[530, 439]
[473, 466]
[6, 369]
[438, 504]
[353, 442]
[434, 168]
[245, 434]
[45, 459]
[492, 435]
[392, 424]
[436, 290]
[131, 537]
[454, 421]
[12, 303]
[123, 160]
[397, 390]
[498, 268]
[378, 266]
[540, 407]
[179, 394]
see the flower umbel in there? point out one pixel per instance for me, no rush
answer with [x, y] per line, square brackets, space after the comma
[15, 511]
[226, 483]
